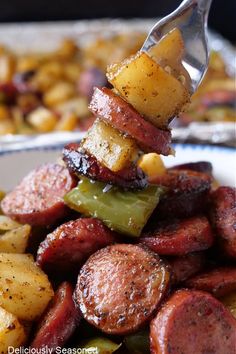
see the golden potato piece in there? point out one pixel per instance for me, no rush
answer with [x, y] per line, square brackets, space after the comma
[24, 288]
[59, 93]
[148, 88]
[109, 146]
[7, 67]
[42, 119]
[169, 53]
[15, 241]
[11, 332]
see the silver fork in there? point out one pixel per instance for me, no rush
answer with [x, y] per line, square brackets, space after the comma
[191, 19]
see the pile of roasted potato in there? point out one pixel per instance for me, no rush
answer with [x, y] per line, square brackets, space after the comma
[45, 92]
[40, 92]
[25, 290]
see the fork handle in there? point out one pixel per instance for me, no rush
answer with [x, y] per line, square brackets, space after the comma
[203, 6]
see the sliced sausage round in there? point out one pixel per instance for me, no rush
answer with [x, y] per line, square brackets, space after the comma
[200, 166]
[66, 248]
[59, 321]
[186, 195]
[120, 287]
[38, 199]
[186, 266]
[90, 78]
[193, 322]
[179, 237]
[219, 282]
[122, 116]
[81, 163]
[223, 216]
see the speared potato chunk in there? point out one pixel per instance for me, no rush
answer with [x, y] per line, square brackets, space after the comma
[25, 290]
[151, 90]
[109, 146]
[169, 53]
[11, 331]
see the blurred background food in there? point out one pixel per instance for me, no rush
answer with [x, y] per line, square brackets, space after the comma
[49, 91]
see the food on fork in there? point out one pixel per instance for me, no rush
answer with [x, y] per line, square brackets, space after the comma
[121, 233]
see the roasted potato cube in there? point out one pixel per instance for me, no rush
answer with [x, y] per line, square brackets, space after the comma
[11, 331]
[148, 88]
[109, 146]
[24, 287]
[27, 62]
[4, 112]
[59, 93]
[7, 67]
[169, 53]
[67, 122]
[78, 106]
[13, 236]
[42, 119]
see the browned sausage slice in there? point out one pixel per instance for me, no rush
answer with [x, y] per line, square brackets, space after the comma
[59, 321]
[38, 199]
[81, 163]
[193, 322]
[223, 216]
[179, 237]
[187, 193]
[219, 282]
[200, 166]
[122, 116]
[120, 287]
[66, 248]
[186, 266]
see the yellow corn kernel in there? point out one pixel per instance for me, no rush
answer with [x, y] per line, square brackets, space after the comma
[58, 93]
[67, 122]
[7, 67]
[152, 165]
[42, 119]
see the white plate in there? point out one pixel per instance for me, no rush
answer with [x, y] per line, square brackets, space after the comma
[15, 165]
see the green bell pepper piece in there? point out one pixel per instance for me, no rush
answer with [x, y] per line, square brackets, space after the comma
[100, 345]
[138, 343]
[124, 211]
